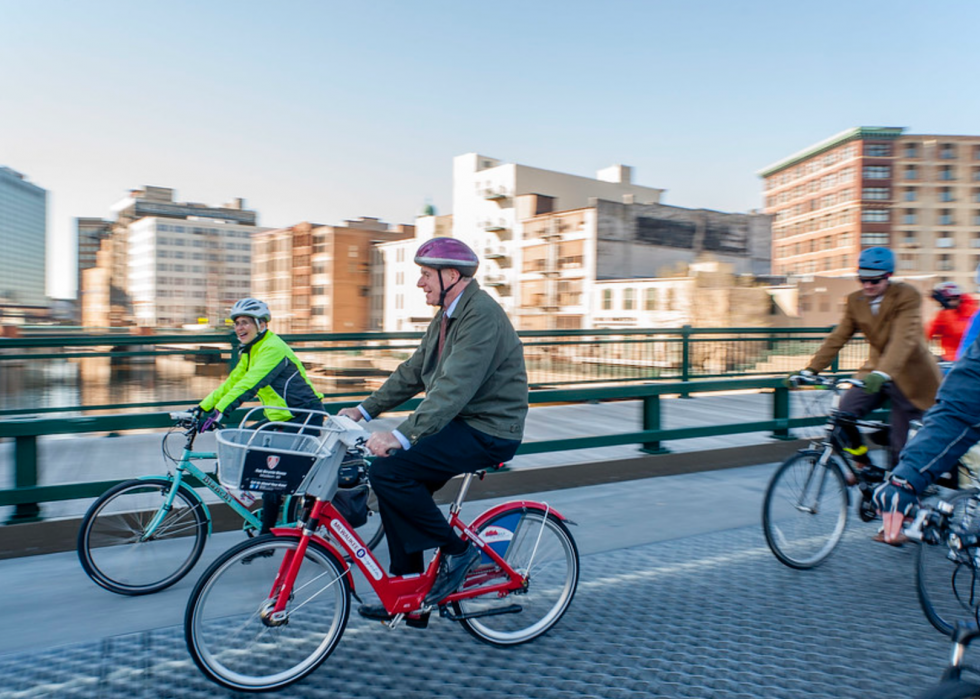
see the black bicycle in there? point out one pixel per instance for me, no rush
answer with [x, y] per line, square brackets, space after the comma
[805, 510]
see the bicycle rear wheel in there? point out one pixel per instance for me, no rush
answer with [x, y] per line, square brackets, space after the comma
[948, 582]
[805, 510]
[540, 547]
[228, 629]
[111, 544]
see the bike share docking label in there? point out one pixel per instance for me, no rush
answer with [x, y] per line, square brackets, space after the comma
[359, 551]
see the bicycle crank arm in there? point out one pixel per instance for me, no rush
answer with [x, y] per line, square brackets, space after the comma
[511, 609]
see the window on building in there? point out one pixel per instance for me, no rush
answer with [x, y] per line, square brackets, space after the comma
[946, 194]
[944, 263]
[875, 215]
[607, 299]
[910, 218]
[911, 172]
[873, 239]
[650, 299]
[909, 238]
[878, 150]
[911, 194]
[947, 173]
[629, 299]
[976, 174]
[906, 262]
[911, 150]
[975, 241]
[945, 217]
[947, 151]
[875, 193]
[877, 172]
[944, 240]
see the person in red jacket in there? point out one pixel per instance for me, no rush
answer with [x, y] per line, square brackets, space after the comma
[951, 322]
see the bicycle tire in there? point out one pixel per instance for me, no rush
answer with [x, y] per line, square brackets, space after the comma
[552, 578]
[223, 624]
[953, 689]
[110, 543]
[948, 590]
[802, 533]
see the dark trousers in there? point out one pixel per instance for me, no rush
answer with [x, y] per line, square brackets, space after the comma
[405, 481]
[858, 403]
[272, 502]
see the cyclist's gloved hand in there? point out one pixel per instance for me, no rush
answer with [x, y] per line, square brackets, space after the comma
[874, 381]
[793, 380]
[210, 422]
[895, 496]
[196, 412]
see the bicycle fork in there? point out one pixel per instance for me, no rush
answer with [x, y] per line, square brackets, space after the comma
[807, 504]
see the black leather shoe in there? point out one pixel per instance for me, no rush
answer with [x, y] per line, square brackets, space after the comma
[452, 570]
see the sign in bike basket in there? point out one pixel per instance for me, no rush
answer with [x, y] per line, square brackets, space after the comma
[265, 461]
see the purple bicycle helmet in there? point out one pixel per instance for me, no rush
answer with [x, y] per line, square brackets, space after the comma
[447, 253]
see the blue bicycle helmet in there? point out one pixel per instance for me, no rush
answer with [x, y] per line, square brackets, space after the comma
[876, 262]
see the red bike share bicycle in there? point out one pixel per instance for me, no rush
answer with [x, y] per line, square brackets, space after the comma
[269, 611]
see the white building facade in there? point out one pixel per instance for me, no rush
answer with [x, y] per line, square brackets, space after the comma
[187, 272]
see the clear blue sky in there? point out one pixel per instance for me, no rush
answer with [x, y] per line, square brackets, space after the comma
[325, 110]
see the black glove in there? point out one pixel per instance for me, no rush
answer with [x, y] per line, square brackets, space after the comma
[209, 421]
[196, 412]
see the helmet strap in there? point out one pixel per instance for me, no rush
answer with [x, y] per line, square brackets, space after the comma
[443, 289]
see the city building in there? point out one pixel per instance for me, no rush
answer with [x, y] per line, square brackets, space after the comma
[917, 194]
[89, 234]
[323, 278]
[23, 240]
[485, 193]
[575, 262]
[169, 263]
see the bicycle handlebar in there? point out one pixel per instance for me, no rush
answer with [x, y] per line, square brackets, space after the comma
[834, 383]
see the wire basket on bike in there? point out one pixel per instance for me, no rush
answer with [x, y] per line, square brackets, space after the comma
[269, 459]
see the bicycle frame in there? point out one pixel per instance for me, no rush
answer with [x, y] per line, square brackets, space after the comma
[399, 594]
[186, 464]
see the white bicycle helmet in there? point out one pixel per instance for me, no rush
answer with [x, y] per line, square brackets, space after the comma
[252, 308]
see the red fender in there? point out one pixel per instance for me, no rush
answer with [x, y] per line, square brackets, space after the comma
[517, 504]
[295, 533]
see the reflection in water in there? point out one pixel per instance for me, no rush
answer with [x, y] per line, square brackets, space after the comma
[100, 381]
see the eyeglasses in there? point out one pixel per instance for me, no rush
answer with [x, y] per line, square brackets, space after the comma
[875, 280]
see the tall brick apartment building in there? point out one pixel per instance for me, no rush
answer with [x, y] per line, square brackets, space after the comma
[918, 194]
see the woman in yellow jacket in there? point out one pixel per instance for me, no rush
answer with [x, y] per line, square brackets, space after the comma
[268, 370]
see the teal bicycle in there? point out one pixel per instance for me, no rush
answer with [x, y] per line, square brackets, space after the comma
[145, 534]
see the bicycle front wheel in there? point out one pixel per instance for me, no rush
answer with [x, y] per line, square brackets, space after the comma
[805, 510]
[947, 581]
[116, 550]
[230, 632]
[540, 547]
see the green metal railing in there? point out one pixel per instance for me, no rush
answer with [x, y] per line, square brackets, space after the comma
[349, 365]
[27, 495]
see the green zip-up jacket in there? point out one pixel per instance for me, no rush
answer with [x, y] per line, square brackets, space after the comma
[480, 377]
[269, 369]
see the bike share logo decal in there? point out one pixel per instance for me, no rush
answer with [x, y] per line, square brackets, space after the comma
[359, 551]
[272, 461]
[496, 535]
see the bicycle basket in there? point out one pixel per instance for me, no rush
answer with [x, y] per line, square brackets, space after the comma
[265, 461]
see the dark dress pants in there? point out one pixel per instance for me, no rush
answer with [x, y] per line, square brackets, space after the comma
[405, 481]
[859, 404]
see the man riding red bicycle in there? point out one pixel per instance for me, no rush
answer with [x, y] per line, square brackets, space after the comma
[470, 365]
